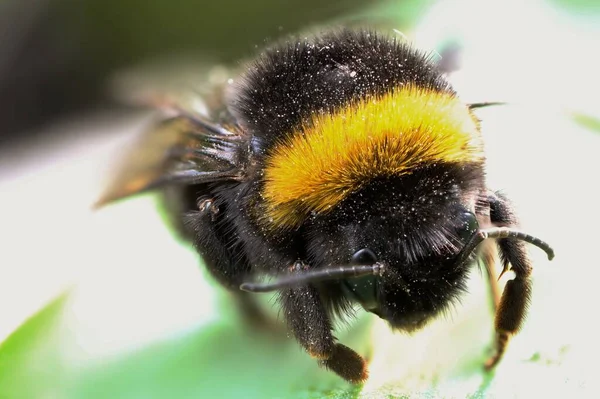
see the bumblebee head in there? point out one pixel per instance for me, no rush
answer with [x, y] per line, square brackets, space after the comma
[420, 275]
[416, 235]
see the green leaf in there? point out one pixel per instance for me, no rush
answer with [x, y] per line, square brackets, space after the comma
[579, 6]
[31, 358]
[217, 361]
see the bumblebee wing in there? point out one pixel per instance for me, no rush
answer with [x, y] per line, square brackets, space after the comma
[186, 148]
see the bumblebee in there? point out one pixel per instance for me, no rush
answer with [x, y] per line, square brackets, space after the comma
[344, 168]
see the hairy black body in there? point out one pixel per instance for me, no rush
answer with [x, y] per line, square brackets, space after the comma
[412, 228]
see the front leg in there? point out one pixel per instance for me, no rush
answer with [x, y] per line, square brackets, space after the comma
[308, 320]
[515, 299]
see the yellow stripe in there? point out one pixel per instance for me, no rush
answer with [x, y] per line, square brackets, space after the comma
[335, 154]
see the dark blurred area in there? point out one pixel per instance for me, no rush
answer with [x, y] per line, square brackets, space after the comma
[56, 55]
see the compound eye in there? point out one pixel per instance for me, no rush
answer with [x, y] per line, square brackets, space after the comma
[363, 289]
[363, 257]
[468, 226]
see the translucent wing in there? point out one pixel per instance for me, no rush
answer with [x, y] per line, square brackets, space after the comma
[186, 148]
[197, 142]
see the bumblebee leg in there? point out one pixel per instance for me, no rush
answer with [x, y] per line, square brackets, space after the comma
[225, 261]
[347, 364]
[517, 293]
[308, 320]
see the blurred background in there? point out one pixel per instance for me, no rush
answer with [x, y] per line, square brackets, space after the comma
[111, 304]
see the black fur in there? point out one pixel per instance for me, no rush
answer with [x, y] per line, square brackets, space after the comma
[293, 80]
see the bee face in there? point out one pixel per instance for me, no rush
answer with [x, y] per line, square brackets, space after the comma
[422, 279]
[417, 243]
